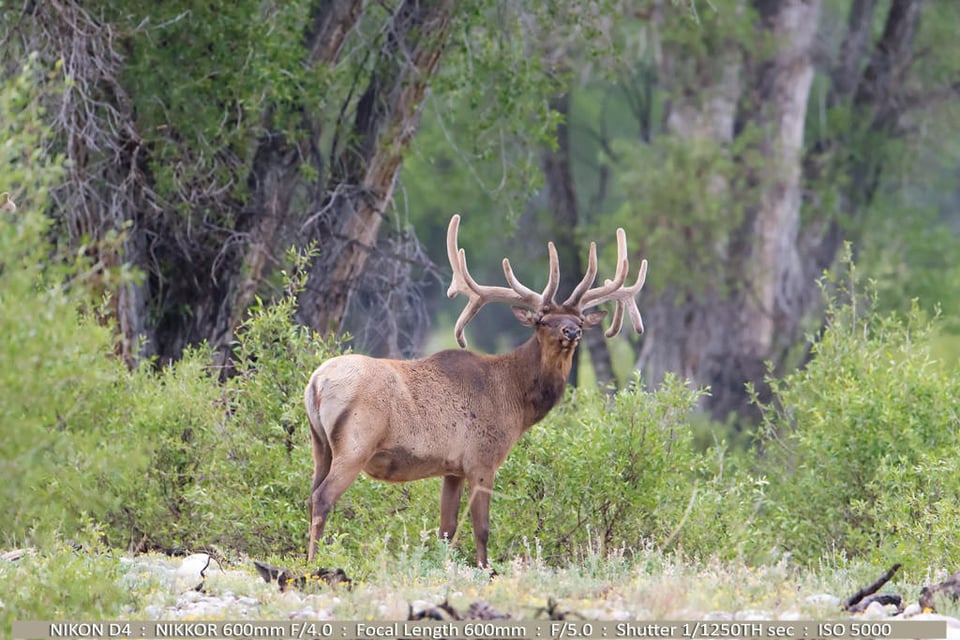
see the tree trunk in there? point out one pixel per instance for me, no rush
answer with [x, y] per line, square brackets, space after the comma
[387, 117]
[565, 220]
[846, 73]
[742, 317]
[872, 91]
[277, 160]
[767, 308]
[754, 312]
[685, 326]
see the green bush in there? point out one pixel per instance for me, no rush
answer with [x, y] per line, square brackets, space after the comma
[256, 480]
[867, 434]
[63, 585]
[146, 454]
[53, 365]
[602, 476]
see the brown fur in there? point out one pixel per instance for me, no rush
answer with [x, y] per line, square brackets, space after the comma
[455, 414]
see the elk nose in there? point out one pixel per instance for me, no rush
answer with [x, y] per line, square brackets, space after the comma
[571, 333]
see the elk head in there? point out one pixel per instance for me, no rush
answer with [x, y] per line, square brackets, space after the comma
[564, 322]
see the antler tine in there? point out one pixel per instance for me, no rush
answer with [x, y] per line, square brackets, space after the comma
[598, 295]
[515, 284]
[461, 278]
[588, 278]
[554, 280]
[473, 306]
[478, 295]
[617, 322]
[627, 297]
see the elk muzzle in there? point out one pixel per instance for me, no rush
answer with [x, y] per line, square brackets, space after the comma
[570, 336]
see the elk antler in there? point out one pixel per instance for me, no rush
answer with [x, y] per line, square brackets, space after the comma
[583, 297]
[479, 295]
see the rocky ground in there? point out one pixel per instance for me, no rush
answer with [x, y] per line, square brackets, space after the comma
[198, 587]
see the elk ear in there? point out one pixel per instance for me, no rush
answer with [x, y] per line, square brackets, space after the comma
[525, 316]
[594, 318]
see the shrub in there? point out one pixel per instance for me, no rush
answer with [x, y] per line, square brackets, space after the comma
[867, 434]
[256, 480]
[604, 475]
[64, 584]
[51, 352]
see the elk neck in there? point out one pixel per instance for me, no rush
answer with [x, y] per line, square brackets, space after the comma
[541, 377]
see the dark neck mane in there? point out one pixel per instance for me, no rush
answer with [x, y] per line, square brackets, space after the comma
[542, 389]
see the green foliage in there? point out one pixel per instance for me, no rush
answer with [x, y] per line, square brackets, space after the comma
[867, 433]
[200, 76]
[601, 475]
[683, 193]
[492, 93]
[254, 493]
[86, 439]
[52, 354]
[63, 585]
[140, 452]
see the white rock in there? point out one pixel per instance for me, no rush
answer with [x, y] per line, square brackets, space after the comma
[190, 573]
[305, 614]
[154, 611]
[875, 611]
[823, 600]
[190, 596]
[911, 610]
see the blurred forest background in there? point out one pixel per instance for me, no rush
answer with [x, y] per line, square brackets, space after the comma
[203, 165]
[740, 143]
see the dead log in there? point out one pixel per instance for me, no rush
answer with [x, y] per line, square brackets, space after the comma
[285, 578]
[882, 598]
[479, 610]
[856, 598]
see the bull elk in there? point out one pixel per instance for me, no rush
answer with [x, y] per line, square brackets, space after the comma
[455, 414]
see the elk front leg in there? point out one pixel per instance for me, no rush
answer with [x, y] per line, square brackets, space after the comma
[481, 488]
[450, 506]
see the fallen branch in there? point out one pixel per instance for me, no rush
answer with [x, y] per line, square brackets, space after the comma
[853, 600]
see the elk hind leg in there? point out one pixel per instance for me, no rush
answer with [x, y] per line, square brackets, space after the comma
[450, 506]
[341, 475]
[322, 458]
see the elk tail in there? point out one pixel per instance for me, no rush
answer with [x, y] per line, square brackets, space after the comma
[322, 455]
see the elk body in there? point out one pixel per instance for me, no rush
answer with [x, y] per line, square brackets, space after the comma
[454, 414]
